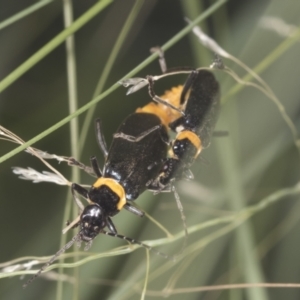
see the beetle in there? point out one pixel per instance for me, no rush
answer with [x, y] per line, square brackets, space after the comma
[200, 104]
[128, 170]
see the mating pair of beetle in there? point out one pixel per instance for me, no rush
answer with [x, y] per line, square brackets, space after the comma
[138, 157]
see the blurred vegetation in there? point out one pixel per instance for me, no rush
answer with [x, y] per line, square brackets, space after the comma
[257, 163]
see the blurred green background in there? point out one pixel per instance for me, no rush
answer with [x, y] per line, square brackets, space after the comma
[256, 160]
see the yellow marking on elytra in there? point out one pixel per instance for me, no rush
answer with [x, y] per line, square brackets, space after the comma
[166, 114]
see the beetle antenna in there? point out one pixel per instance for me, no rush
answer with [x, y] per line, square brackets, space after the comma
[53, 258]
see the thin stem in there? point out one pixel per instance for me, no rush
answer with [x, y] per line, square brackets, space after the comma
[24, 13]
